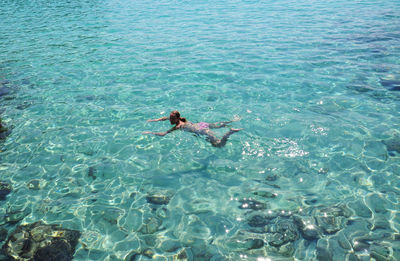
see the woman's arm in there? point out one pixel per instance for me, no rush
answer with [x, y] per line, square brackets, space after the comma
[159, 119]
[160, 133]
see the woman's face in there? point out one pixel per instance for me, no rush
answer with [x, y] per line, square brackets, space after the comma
[173, 119]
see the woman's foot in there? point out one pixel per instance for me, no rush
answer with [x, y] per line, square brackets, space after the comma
[236, 130]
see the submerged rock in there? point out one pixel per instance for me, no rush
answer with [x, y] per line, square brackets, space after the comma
[3, 234]
[392, 146]
[39, 241]
[5, 189]
[391, 84]
[252, 204]
[380, 253]
[281, 231]
[265, 194]
[4, 131]
[257, 219]
[34, 184]
[159, 197]
[244, 241]
[307, 227]
[331, 219]
[150, 225]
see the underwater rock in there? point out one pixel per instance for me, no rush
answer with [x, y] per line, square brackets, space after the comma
[307, 227]
[243, 244]
[265, 194]
[170, 246]
[282, 231]
[323, 250]
[360, 209]
[4, 90]
[391, 84]
[158, 198]
[24, 105]
[5, 189]
[361, 243]
[377, 203]
[331, 219]
[352, 257]
[92, 172]
[258, 219]
[380, 222]
[271, 177]
[392, 145]
[150, 225]
[185, 254]
[286, 249]
[34, 184]
[251, 204]
[343, 241]
[379, 253]
[58, 250]
[39, 241]
[3, 234]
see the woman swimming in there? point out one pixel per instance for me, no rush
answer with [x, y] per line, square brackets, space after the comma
[201, 128]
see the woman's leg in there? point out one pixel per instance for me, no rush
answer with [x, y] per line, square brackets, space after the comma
[222, 123]
[220, 143]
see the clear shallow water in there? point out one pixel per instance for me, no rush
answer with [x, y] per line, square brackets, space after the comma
[314, 84]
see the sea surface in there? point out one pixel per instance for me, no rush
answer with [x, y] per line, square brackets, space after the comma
[313, 175]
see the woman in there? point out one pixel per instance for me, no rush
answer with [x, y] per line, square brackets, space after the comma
[201, 128]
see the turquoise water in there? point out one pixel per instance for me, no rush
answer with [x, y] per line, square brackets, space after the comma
[315, 84]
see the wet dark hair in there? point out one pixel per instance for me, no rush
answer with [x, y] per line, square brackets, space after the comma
[178, 115]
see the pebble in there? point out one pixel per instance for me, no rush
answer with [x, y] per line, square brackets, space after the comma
[5, 189]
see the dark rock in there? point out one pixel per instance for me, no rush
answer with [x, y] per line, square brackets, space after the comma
[360, 209]
[286, 249]
[184, 254]
[170, 245]
[5, 189]
[148, 252]
[243, 244]
[14, 215]
[323, 251]
[92, 172]
[150, 225]
[158, 198]
[311, 201]
[58, 250]
[377, 203]
[4, 131]
[3, 234]
[257, 219]
[331, 219]
[380, 222]
[243, 241]
[251, 204]
[307, 227]
[23, 106]
[392, 145]
[4, 90]
[282, 231]
[360, 245]
[265, 194]
[34, 184]
[352, 257]
[380, 253]
[39, 241]
[271, 177]
[323, 254]
[343, 241]
[393, 85]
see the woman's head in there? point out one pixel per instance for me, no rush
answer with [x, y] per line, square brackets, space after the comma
[175, 117]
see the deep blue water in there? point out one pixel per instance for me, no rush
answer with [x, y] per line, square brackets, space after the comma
[315, 83]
